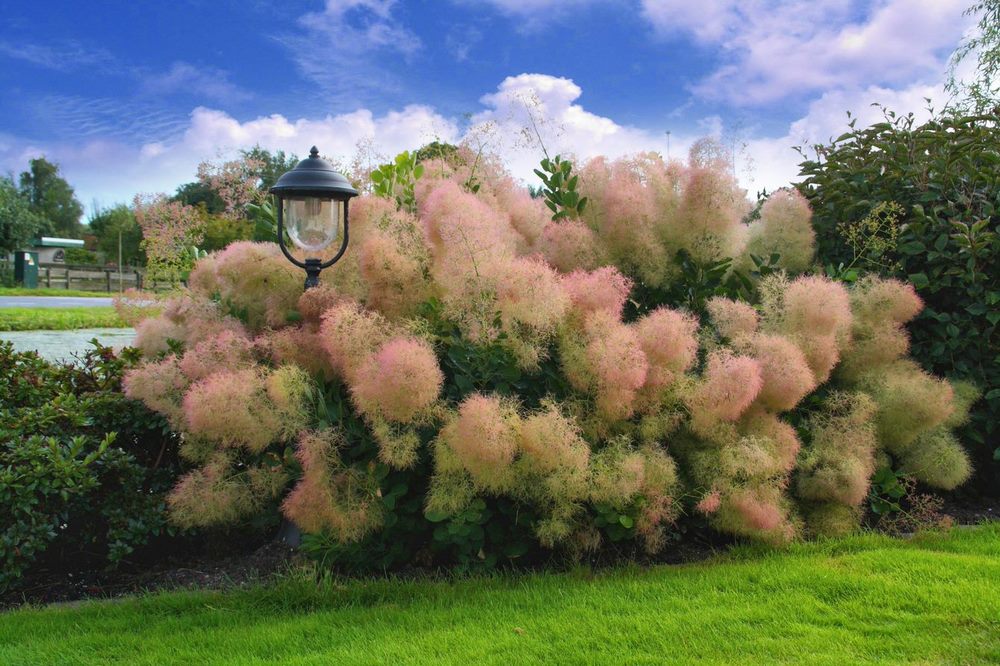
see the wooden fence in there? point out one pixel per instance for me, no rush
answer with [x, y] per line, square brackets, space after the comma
[88, 278]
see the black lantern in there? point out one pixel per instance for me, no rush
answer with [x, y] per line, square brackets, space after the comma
[312, 204]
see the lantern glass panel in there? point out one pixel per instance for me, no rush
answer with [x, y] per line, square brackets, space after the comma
[312, 222]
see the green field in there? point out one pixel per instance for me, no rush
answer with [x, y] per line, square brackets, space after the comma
[59, 319]
[865, 599]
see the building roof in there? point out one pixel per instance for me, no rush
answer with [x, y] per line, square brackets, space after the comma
[48, 241]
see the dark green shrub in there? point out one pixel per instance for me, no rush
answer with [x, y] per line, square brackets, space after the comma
[83, 470]
[920, 202]
[40, 481]
[77, 255]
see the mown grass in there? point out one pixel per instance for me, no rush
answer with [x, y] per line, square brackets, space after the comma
[59, 319]
[864, 599]
[42, 291]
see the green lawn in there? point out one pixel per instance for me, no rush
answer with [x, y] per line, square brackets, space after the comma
[865, 599]
[42, 291]
[58, 319]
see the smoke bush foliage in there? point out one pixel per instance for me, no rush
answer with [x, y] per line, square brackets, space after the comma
[477, 378]
[918, 202]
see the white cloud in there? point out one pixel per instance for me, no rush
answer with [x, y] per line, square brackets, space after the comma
[111, 169]
[773, 49]
[564, 125]
[206, 82]
[341, 49]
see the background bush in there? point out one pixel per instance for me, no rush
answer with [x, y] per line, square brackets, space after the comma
[83, 469]
[921, 202]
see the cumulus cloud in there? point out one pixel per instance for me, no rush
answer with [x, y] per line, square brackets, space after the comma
[510, 122]
[827, 118]
[773, 49]
[112, 170]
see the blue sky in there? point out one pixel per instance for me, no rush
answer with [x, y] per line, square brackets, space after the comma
[128, 97]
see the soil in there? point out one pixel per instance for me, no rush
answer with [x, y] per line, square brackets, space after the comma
[203, 573]
[971, 511]
[273, 558]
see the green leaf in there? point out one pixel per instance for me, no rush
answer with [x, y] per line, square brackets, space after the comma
[919, 280]
[976, 308]
[626, 521]
[913, 247]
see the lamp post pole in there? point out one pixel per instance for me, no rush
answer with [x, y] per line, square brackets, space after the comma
[313, 201]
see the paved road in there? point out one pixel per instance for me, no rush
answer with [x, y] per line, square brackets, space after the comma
[61, 345]
[52, 301]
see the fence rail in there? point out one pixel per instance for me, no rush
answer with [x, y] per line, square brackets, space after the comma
[88, 278]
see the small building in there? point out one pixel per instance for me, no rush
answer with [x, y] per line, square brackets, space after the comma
[53, 250]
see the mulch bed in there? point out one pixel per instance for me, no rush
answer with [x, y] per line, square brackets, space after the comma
[272, 558]
[206, 572]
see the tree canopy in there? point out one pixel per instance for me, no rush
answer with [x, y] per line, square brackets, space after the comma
[18, 223]
[51, 197]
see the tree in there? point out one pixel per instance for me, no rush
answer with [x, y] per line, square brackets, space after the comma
[220, 231]
[110, 223]
[51, 197]
[982, 93]
[202, 195]
[18, 224]
[271, 166]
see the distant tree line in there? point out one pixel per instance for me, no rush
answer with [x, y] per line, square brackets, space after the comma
[40, 202]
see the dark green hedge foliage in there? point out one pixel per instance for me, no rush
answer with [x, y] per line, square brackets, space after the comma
[83, 470]
[945, 177]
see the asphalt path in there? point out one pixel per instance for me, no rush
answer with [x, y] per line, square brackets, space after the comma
[52, 301]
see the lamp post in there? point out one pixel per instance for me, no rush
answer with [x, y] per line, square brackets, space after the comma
[312, 205]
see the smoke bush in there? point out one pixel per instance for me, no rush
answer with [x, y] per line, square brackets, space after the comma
[247, 408]
[730, 384]
[840, 460]
[732, 318]
[880, 307]
[474, 374]
[570, 245]
[302, 347]
[604, 289]
[329, 496]
[606, 361]
[223, 351]
[483, 437]
[399, 381]
[812, 311]
[937, 459]
[211, 495]
[350, 334]
[667, 337]
[785, 372]
[909, 400]
[256, 280]
[160, 385]
[153, 336]
[785, 229]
